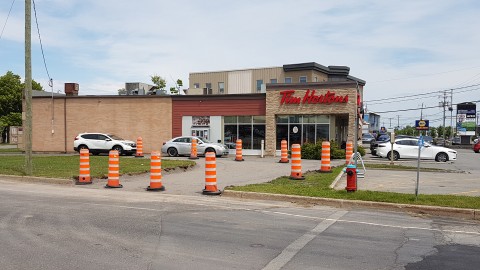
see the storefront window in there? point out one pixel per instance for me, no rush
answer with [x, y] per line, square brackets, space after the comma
[295, 119]
[245, 119]
[302, 129]
[245, 134]
[258, 136]
[259, 119]
[322, 132]
[282, 119]
[250, 129]
[230, 135]
[230, 119]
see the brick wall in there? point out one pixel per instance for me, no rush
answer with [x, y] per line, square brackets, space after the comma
[273, 106]
[128, 117]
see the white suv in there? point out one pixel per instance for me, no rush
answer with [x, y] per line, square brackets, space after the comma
[98, 143]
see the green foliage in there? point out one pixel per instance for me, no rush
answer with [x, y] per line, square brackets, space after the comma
[314, 151]
[11, 90]
[433, 132]
[10, 94]
[159, 81]
[12, 119]
[67, 166]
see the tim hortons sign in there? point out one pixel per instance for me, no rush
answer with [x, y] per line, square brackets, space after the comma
[310, 98]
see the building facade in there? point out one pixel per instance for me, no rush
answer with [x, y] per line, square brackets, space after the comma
[300, 112]
[248, 81]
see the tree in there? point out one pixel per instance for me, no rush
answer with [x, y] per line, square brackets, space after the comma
[440, 130]
[159, 82]
[11, 90]
[122, 92]
[433, 132]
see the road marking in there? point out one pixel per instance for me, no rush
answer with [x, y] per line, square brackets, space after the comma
[291, 250]
[211, 203]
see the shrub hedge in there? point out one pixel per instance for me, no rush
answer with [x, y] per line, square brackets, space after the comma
[314, 151]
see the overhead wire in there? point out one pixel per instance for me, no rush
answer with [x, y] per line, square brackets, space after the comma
[6, 20]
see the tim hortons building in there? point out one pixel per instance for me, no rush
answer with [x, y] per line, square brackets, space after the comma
[300, 103]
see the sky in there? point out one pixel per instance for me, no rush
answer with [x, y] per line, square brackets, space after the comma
[408, 52]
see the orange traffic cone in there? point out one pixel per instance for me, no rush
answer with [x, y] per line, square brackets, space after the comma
[296, 173]
[155, 172]
[211, 175]
[113, 170]
[325, 163]
[238, 154]
[84, 174]
[193, 149]
[348, 152]
[284, 157]
[139, 147]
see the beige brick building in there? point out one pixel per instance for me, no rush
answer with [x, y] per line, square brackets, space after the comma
[300, 103]
[57, 120]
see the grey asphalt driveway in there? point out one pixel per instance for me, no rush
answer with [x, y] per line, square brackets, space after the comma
[229, 172]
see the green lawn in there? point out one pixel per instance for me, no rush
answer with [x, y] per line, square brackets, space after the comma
[317, 185]
[68, 166]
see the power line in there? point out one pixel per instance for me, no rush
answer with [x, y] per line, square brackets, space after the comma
[6, 20]
[424, 94]
[424, 75]
[416, 109]
[50, 81]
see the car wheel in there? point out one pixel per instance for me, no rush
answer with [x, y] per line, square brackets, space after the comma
[119, 149]
[172, 152]
[210, 150]
[80, 147]
[441, 157]
[396, 156]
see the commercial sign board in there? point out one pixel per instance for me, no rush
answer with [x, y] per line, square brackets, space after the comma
[310, 97]
[466, 118]
[421, 124]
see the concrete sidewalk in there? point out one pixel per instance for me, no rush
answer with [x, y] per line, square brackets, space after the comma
[404, 181]
[229, 172]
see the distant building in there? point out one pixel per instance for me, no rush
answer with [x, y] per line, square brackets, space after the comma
[254, 80]
[138, 88]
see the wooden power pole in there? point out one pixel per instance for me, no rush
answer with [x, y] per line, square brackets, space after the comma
[27, 124]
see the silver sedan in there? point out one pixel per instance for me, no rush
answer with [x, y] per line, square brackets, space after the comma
[181, 146]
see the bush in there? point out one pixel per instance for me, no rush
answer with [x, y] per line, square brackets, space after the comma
[314, 151]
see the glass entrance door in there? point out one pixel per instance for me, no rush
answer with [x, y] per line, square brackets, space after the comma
[201, 132]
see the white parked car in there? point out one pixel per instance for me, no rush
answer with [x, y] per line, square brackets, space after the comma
[98, 143]
[181, 146]
[408, 148]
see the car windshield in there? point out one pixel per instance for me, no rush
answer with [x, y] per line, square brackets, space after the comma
[383, 138]
[203, 140]
[115, 137]
[367, 135]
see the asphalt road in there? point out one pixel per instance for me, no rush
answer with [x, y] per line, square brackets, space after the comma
[65, 227]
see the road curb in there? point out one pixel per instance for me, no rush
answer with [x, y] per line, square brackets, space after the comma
[473, 214]
[34, 179]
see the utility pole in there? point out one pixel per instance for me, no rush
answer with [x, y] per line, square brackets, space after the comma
[27, 124]
[450, 108]
[443, 105]
[398, 121]
[390, 118]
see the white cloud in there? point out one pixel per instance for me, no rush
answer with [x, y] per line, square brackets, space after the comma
[103, 44]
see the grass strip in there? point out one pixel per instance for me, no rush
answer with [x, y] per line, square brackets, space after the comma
[317, 185]
[404, 168]
[68, 166]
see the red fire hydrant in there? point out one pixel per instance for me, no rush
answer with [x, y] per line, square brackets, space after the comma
[351, 171]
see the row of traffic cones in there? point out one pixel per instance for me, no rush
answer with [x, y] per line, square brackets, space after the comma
[210, 167]
[155, 172]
